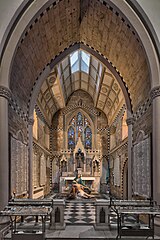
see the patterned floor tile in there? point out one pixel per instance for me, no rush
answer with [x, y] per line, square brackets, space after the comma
[79, 213]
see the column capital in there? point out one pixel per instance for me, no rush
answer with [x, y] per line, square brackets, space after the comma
[130, 121]
[155, 92]
[30, 121]
[5, 92]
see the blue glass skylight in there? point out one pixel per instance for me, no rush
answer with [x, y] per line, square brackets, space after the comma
[85, 58]
[84, 67]
[80, 61]
[74, 57]
[75, 67]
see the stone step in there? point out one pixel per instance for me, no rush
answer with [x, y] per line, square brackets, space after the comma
[80, 238]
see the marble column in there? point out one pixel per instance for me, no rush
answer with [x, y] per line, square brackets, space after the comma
[5, 95]
[155, 97]
[130, 126]
[30, 154]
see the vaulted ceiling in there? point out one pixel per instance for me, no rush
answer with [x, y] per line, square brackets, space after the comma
[80, 70]
[99, 26]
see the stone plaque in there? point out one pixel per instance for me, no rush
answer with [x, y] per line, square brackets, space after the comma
[19, 166]
[142, 168]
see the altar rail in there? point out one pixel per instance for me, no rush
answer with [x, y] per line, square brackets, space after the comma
[105, 209]
[103, 212]
[31, 202]
[125, 203]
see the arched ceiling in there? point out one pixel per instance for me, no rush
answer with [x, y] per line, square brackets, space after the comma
[96, 24]
[80, 70]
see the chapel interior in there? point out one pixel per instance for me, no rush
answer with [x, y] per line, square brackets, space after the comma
[79, 96]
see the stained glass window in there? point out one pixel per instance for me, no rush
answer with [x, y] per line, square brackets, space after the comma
[79, 119]
[79, 126]
[71, 138]
[86, 122]
[88, 137]
[73, 122]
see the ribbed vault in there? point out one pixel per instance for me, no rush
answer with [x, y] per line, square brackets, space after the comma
[97, 25]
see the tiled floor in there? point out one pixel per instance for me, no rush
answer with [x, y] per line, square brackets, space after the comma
[79, 213]
[84, 213]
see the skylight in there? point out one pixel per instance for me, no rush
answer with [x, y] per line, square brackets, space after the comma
[80, 61]
[85, 57]
[74, 58]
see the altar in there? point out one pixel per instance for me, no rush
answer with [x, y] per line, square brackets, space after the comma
[80, 163]
[91, 182]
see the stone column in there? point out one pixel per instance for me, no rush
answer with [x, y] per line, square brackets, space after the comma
[155, 188]
[155, 97]
[5, 95]
[30, 155]
[130, 126]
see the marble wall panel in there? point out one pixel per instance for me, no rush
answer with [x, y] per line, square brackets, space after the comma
[19, 166]
[142, 168]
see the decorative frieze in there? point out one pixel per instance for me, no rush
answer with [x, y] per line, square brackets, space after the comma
[143, 108]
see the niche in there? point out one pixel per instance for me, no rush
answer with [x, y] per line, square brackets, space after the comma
[57, 215]
[102, 215]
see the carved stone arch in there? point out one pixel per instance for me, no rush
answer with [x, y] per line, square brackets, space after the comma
[75, 112]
